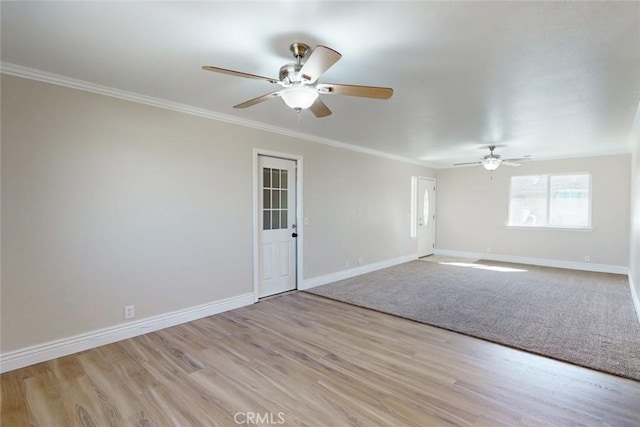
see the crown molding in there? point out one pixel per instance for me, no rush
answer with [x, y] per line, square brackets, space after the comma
[56, 79]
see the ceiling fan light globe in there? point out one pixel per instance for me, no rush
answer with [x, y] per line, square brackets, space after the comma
[299, 97]
[491, 164]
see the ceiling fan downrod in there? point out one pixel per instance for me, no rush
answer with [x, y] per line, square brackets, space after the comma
[299, 51]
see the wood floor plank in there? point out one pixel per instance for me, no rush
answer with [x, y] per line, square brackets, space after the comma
[313, 362]
[43, 395]
[111, 389]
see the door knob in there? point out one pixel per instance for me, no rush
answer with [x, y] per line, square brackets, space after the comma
[294, 234]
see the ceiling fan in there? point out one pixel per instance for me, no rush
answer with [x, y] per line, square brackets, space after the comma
[299, 81]
[491, 161]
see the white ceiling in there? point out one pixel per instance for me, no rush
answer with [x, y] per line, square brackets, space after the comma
[546, 79]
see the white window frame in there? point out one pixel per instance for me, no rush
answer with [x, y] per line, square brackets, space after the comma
[588, 227]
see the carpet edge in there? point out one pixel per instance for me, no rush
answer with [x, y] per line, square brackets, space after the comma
[514, 347]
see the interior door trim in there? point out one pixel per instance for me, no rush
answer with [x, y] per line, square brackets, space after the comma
[299, 215]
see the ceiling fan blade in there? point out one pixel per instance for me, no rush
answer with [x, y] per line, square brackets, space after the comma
[321, 59]
[352, 90]
[258, 100]
[522, 159]
[467, 164]
[319, 109]
[239, 74]
[507, 163]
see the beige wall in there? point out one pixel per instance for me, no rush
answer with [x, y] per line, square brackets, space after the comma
[473, 211]
[634, 260]
[107, 203]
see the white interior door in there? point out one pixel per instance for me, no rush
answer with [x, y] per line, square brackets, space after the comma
[277, 221]
[426, 216]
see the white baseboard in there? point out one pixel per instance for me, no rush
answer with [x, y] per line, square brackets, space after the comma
[356, 271]
[573, 265]
[42, 352]
[634, 296]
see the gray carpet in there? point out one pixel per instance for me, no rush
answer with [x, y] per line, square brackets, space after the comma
[580, 317]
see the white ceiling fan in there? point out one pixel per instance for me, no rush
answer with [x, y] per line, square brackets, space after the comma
[299, 81]
[491, 161]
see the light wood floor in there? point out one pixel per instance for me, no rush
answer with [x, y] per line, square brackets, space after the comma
[304, 360]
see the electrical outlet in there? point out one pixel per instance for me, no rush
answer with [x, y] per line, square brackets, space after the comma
[488, 249]
[587, 258]
[360, 261]
[129, 312]
[347, 264]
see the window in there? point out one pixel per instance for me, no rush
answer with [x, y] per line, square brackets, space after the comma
[274, 199]
[550, 201]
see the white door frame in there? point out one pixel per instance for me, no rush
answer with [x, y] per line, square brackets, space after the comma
[256, 222]
[435, 203]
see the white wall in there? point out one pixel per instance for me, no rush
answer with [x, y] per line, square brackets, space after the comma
[473, 210]
[106, 203]
[634, 260]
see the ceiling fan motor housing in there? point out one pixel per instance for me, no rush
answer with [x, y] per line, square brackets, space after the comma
[289, 73]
